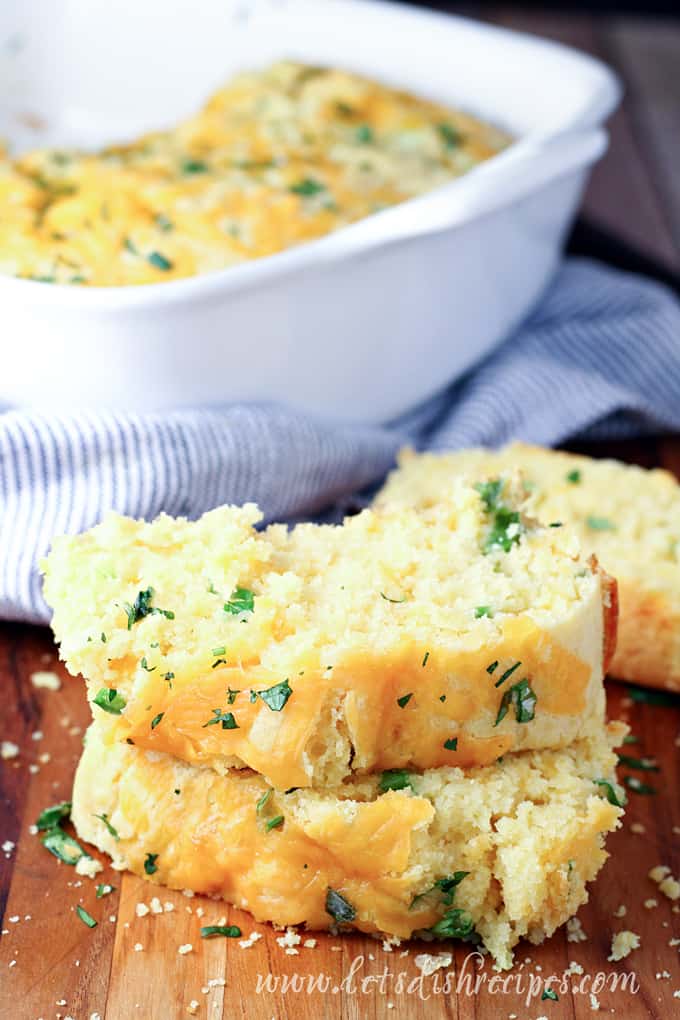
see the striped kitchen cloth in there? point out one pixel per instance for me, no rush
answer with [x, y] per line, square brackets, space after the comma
[599, 357]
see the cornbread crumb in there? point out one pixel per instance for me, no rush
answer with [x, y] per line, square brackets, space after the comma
[37, 735]
[44, 679]
[156, 906]
[141, 910]
[192, 1008]
[427, 964]
[88, 866]
[620, 911]
[290, 939]
[658, 873]
[637, 828]
[168, 907]
[670, 887]
[309, 943]
[138, 947]
[623, 943]
[575, 932]
[250, 941]
[8, 750]
[8, 846]
[650, 904]
[185, 948]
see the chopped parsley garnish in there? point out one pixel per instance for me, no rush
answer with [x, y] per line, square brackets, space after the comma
[492, 667]
[481, 611]
[447, 887]
[364, 134]
[229, 931]
[339, 908]
[647, 697]
[162, 222]
[506, 526]
[574, 476]
[610, 792]
[159, 261]
[145, 665]
[276, 697]
[442, 697]
[425, 658]
[307, 186]
[523, 698]
[388, 599]
[109, 700]
[142, 607]
[85, 917]
[156, 719]
[241, 600]
[637, 786]
[451, 744]
[455, 924]
[194, 166]
[274, 823]
[52, 816]
[150, 866]
[225, 719]
[104, 890]
[449, 135]
[504, 676]
[219, 651]
[102, 638]
[63, 846]
[644, 764]
[129, 246]
[219, 662]
[549, 993]
[105, 819]
[631, 739]
[600, 524]
[262, 802]
[404, 700]
[169, 677]
[394, 779]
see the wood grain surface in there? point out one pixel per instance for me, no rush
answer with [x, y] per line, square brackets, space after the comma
[53, 966]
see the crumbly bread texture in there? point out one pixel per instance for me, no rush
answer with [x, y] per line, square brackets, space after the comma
[528, 830]
[396, 639]
[627, 515]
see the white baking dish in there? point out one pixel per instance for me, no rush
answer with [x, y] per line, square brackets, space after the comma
[358, 326]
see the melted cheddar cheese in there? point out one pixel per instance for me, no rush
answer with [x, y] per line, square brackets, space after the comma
[274, 159]
[395, 639]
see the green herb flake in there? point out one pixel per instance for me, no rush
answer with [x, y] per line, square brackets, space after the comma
[610, 792]
[481, 611]
[274, 823]
[232, 695]
[102, 638]
[364, 134]
[159, 261]
[241, 600]
[394, 779]
[455, 924]
[446, 886]
[643, 764]
[600, 524]
[225, 719]
[549, 993]
[506, 527]
[169, 677]
[150, 866]
[448, 134]
[492, 667]
[104, 890]
[508, 673]
[340, 909]
[63, 846]
[156, 719]
[52, 816]
[425, 658]
[105, 819]
[307, 186]
[263, 801]
[637, 786]
[142, 607]
[163, 223]
[642, 695]
[219, 651]
[194, 166]
[145, 665]
[404, 700]
[574, 477]
[228, 931]
[396, 602]
[523, 698]
[109, 700]
[85, 917]
[276, 697]
[451, 744]
[630, 739]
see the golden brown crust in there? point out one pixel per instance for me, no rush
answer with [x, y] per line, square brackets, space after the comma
[648, 645]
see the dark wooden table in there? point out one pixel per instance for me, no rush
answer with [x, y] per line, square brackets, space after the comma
[52, 965]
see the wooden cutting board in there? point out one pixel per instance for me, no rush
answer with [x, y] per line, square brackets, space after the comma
[53, 966]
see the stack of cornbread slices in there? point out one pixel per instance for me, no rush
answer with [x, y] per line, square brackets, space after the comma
[395, 724]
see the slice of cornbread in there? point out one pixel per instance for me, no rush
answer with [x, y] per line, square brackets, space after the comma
[629, 516]
[395, 639]
[505, 850]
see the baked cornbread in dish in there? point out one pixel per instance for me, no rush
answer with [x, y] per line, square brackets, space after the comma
[396, 639]
[276, 158]
[628, 515]
[503, 851]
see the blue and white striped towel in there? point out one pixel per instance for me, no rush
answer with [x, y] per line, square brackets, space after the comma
[600, 356]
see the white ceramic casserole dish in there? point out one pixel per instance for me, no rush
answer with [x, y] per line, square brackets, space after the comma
[358, 326]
